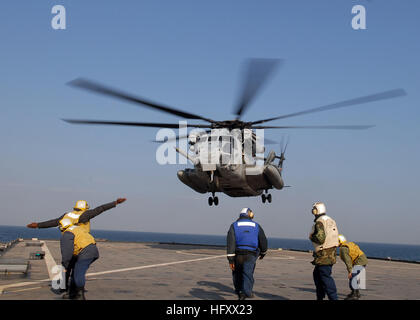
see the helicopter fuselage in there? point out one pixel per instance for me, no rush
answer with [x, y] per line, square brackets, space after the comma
[234, 180]
[219, 166]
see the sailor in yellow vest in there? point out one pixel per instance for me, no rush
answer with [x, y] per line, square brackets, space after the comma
[352, 256]
[324, 238]
[78, 247]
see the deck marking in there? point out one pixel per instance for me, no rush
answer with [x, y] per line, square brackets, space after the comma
[154, 265]
[21, 284]
[193, 254]
[281, 258]
[27, 289]
[49, 260]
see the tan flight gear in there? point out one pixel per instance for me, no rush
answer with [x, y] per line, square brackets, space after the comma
[331, 233]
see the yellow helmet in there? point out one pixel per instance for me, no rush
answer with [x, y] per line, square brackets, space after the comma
[341, 239]
[81, 205]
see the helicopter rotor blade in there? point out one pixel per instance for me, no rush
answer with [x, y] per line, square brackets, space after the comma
[100, 89]
[257, 71]
[347, 103]
[133, 124]
[345, 127]
[268, 141]
[180, 137]
[284, 148]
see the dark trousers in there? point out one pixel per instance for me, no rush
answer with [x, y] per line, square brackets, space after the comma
[324, 283]
[69, 271]
[77, 272]
[243, 275]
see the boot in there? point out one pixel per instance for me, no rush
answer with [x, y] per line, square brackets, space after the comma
[242, 296]
[80, 294]
[71, 292]
[357, 294]
[352, 295]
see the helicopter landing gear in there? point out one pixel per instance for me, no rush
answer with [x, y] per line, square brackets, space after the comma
[265, 198]
[214, 200]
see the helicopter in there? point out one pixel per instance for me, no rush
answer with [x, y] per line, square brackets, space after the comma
[223, 163]
[244, 174]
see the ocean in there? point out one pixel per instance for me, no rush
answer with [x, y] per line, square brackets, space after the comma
[373, 250]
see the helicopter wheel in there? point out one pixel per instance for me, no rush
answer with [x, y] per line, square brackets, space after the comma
[211, 201]
[269, 198]
[216, 201]
[263, 198]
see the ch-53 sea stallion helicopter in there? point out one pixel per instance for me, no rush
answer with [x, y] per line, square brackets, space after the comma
[242, 173]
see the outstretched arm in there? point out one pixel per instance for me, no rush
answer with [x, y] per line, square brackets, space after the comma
[85, 217]
[46, 224]
[90, 214]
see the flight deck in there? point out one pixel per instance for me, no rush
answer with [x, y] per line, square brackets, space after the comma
[165, 271]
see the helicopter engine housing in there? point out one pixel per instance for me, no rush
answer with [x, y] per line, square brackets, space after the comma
[273, 175]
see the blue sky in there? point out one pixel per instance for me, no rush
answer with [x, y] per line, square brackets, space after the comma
[188, 54]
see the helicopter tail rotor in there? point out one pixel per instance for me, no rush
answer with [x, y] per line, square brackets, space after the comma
[283, 148]
[272, 155]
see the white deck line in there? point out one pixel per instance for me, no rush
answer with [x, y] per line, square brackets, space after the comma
[49, 260]
[23, 284]
[153, 266]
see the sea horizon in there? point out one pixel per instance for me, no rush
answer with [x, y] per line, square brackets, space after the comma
[216, 235]
[403, 252]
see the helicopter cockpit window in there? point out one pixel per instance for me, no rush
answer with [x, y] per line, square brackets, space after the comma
[226, 148]
[213, 139]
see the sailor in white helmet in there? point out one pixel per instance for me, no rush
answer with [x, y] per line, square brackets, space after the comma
[324, 237]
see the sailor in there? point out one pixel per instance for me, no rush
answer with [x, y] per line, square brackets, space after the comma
[245, 242]
[324, 237]
[355, 261]
[78, 247]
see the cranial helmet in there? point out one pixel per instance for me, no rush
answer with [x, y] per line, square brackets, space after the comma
[247, 212]
[318, 208]
[341, 238]
[81, 205]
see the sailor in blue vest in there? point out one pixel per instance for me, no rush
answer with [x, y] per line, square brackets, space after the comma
[245, 242]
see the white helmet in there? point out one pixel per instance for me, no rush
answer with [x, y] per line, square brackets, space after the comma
[247, 212]
[318, 208]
